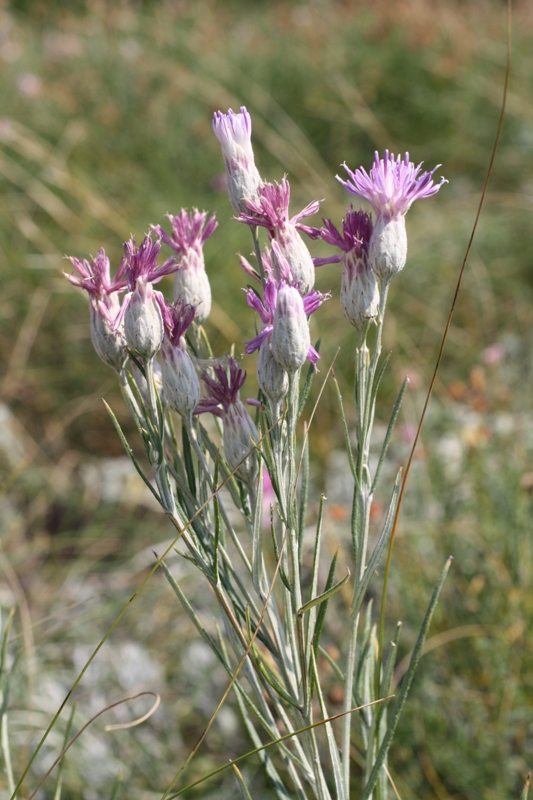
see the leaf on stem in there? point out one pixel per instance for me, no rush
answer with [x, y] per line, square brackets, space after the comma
[321, 598]
[257, 538]
[304, 495]
[346, 431]
[360, 590]
[187, 458]
[129, 451]
[386, 441]
[304, 394]
[406, 685]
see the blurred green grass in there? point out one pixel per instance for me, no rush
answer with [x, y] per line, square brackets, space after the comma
[106, 126]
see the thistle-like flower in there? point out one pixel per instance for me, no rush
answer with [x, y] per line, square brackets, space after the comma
[285, 330]
[234, 132]
[391, 187]
[240, 431]
[359, 290]
[189, 232]
[95, 278]
[181, 386]
[271, 211]
[144, 310]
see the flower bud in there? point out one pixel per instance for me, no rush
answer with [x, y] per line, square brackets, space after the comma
[108, 342]
[290, 335]
[240, 434]
[387, 252]
[180, 381]
[234, 132]
[271, 377]
[359, 290]
[298, 257]
[143, 322]
[191, 287]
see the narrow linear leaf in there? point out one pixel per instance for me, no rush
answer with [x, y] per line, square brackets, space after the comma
[66, 738]
[525, 790]
[379, 548]
[304, 496]
[281, 573]
[381, 372]
[257, 535]
[218, 524]
[333, 664]
[242, 786]
[273, 680]
[345, 430]
[304, 394]
[386, 441]
[332, 744]
[284, 738]
[222, 655]
[316, 601]
[390, 664]
[129, 451]
[314, 579]
[406, 685]
[321, 616]
[187, 458]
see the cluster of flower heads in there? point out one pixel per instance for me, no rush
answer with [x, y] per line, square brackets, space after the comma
[144, 324]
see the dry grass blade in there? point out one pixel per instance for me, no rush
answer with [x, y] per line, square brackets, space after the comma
[107, 728]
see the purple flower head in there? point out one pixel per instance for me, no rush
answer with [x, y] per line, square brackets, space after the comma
[223, 390]
[180, 381]
[178, 321]
[392, 185]
[191, 284]
[142, 267]
[189, 233]
[95, 279]
[144, 310]
[359, 294]
[95, 276]
[271, 211]
[239, 429]
[355, 236]
[234, 132]
[267, 307]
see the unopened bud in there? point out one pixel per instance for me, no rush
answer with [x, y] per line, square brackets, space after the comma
[387, 251]
[180, 381]
[271, 377]
[234, 132]
[290, 335]
[108, 342]
[143, 323]
[191, 287]
[240, 433]
[359, 290]
[297, 255]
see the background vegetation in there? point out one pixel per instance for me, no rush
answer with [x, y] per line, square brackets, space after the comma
[106, 126]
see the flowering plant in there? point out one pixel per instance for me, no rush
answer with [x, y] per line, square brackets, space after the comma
[274, 598]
